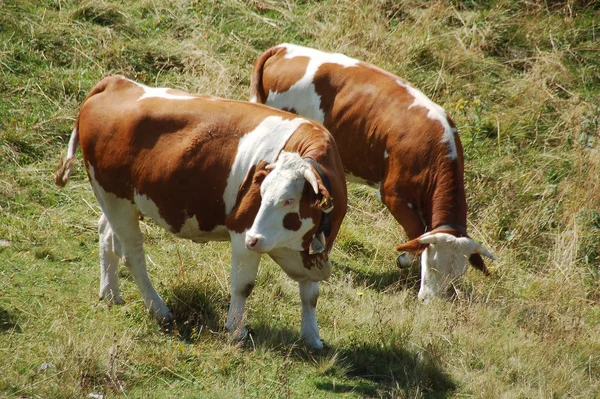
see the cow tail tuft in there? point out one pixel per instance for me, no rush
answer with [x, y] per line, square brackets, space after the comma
[63, 172]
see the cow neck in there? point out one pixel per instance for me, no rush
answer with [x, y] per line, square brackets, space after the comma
[325, 225]
[461, 230]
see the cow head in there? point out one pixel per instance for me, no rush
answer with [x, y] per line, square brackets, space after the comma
[443, 258]
[288, 212]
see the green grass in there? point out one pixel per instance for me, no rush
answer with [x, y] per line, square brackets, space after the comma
[520, 79]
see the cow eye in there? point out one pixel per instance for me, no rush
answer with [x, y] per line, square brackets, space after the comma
[288, 202]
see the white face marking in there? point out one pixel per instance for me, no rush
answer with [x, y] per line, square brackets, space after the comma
[435, 112]
[263, 143]
[444, 259]
[286, 181]
[302, 96]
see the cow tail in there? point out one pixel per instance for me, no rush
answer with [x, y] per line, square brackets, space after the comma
[65, 166]
[257, 90]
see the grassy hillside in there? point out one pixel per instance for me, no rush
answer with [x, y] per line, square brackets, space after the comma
[520, 79]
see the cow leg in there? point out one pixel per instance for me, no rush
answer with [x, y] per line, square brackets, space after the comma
[122, 216]
[244, 268]
[409, 219]
[291, 263]
[309, 293]
[109, 263]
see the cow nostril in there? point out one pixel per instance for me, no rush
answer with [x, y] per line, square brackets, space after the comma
[251, 242]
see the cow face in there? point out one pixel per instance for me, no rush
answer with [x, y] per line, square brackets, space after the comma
[282, 220]
[443, 258]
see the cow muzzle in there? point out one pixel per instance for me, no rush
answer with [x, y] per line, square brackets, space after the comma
[255, 242]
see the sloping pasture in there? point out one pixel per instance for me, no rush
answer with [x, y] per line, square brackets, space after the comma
[521, 79]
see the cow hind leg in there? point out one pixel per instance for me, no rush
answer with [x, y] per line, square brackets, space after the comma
[110, 253]
[122, 217]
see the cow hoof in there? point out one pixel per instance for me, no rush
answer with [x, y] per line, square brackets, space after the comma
[313, 343]
[239, 335]
[166, 321]
[111, 299]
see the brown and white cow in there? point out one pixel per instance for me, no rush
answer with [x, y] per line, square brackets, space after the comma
[209, 169]
[391, 137]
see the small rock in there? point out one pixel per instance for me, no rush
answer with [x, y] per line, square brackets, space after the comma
[45, 366]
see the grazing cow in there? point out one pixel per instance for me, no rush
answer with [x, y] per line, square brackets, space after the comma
[209, 169]
[391, 137]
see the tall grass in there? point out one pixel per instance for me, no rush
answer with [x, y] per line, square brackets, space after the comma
[520, 79]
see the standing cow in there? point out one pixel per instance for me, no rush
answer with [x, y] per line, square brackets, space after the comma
[391, 137]
[209, 169]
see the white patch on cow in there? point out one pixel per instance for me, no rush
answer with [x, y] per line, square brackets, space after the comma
[435, 112]
[253, 99]
[302, 96]
[385, 154]
[411, 206]
[160, 92]
[286, 181]
[263, 143]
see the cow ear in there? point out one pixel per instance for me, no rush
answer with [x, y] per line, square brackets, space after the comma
[326, 202]
[477, 262]
[247, 201]
[414, 246]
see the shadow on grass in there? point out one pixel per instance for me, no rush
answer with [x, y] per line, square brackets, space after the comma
[8, 322]
[368, 369]
[195, 307]
[393, 278]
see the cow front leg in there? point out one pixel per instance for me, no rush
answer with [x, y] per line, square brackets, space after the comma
[244, 268]
[309, 293]
[407, 215]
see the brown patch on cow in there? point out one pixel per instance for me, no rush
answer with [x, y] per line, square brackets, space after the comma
[177, 152]
[291, 221]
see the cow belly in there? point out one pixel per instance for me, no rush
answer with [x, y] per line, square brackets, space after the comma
[191, 231]
[359, 180]
[190, 228]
